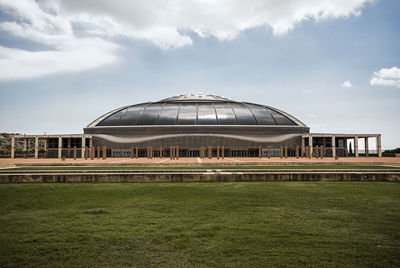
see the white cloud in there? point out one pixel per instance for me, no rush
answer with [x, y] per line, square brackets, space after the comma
[77, 30]
[347, 84]
[386, 77]
[313, 115]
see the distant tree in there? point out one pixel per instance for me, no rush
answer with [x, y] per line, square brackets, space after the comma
[395, 151]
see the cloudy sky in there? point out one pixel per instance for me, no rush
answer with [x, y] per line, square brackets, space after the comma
[334, 64]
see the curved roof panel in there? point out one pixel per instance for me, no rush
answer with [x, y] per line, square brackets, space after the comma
[196, 109]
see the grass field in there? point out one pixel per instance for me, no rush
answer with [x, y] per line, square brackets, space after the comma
[200, 167]
[200, 224]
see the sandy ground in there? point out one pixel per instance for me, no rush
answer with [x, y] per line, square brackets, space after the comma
[392, 161]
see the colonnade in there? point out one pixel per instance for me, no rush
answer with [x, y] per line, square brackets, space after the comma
[312, 145]
[340, 141]
[46, 139]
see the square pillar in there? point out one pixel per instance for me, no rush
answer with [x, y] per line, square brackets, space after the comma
[281, 152]
[286, 152]
[25, 144]
[46, 147]
[92, 153]
[59, 147]
[74, 152]
[209, 152]
[366, 146]
[269, 153]
[218, 152]
[12, 147]
[297, 152]
[104, 152]
[333, 147]
[132, 152]
[259, 152]
[83, 152]
[177, 153]
[356, 146]
[378, 145]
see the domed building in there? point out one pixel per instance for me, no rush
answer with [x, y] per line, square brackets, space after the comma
[195, 125]
[195, 122]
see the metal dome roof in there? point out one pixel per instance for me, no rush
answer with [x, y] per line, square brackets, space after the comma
[196, 109]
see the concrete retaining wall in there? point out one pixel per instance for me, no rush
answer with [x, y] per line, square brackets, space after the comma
[200, 177]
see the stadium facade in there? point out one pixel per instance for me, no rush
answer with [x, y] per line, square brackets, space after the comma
[198, 125]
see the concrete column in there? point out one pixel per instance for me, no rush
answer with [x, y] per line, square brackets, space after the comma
[25, 144]
[218, 152]
[209, 152]
[177, 152]
[316, 152]
[281, 152]
[98, 152]
[170, 152]
[160, 152]
[104, 152]
[302, 142]
[86, 153]
[322, 151]
[356, 146]
[92, 153]
[83, 152]
[259, 152]
[74, 152]
[91, 142]
[379, 145]
[310, 141]
[297, 152]
[223, 152]
[310, 151]
[132, 152]
[59, 147]
[333, 147]
[12, 147]
[286, 152]
[366, 146]
[269, 153]
[301, 152]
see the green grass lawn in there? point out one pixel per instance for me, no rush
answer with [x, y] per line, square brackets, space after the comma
[200, 224]
[199, 167]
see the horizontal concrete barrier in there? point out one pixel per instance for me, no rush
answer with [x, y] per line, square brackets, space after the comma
[198, 176]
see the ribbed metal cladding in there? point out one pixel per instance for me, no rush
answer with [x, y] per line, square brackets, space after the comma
[196, 109]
